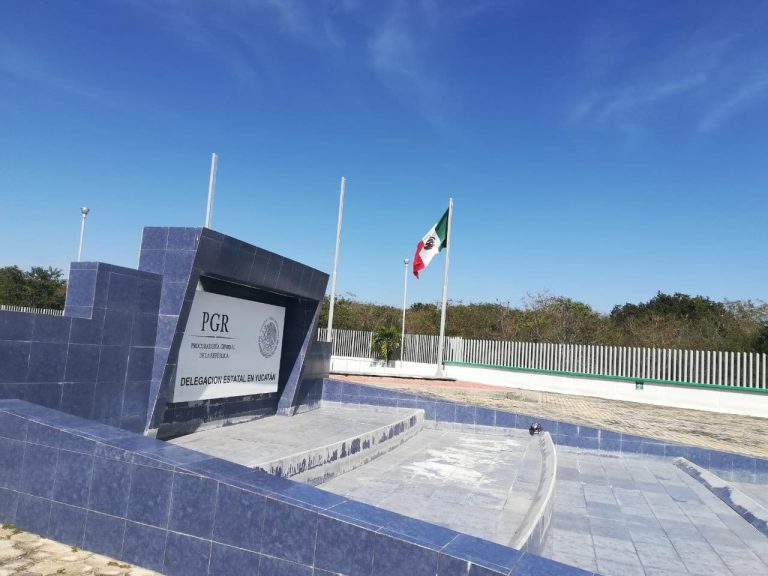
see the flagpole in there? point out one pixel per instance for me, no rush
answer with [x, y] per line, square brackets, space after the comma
[211, 186]
[335, 261]
[405, 296]
[445, 291]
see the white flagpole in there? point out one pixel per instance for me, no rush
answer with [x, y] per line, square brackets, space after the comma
[445, 291]
[336, 261]
[211, 186]
[405, 299]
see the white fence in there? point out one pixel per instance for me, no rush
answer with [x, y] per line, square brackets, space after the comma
[718, 368]
[49, 311]
[417, 348]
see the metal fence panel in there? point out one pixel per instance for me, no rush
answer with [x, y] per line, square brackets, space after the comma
[717, 368]
[48, 311]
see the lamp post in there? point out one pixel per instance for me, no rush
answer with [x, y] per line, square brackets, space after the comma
[405, 294]
[84, 211]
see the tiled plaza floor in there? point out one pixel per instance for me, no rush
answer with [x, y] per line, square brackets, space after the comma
[482, 485]
[627, 516]
[731, 433]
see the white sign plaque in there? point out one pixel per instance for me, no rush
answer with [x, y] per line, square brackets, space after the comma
[231, 347]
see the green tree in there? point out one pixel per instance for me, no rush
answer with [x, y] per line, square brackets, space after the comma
[38, 288]
[760, 343]
[12, 286]
[557, 319]
[691, 322]
[677, 305]
[385, 342]
[423, 318]
[665, 321]
[349, 314]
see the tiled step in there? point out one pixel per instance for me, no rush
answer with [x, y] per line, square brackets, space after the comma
[319, 464]
[314, 446]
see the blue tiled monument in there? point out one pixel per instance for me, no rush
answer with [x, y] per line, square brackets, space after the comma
[114, 356]
[208, 331]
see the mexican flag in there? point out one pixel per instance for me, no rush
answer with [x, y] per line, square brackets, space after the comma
[432, 243]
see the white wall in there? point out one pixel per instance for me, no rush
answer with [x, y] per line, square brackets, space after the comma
[710, 399]
[361, 366]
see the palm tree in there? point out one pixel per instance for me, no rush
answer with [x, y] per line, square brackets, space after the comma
[385, 342]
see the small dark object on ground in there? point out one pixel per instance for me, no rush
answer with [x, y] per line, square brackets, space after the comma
[535, 429]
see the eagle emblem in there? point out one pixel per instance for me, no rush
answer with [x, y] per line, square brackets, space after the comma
[269, 337]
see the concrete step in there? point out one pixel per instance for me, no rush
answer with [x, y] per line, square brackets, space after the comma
[312, 447]
[749, 508]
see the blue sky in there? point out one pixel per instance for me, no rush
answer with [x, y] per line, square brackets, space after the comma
[598, 150]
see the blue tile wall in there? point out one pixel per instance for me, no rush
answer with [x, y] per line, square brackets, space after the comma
[186, 555]
[180, 512]
[51, 329]
[226, 560]
[81, 288]
[45, 394]
[87, 330]
[82, 363]
[16, 326]
[193, 503]
[394, 556]
[239, 517]
[117, 328]
[79, 362]
[37, 470]
[46, 362]
[67, 524]
[32, 513]
[183, 238]
[111, 480]
[71, 483]
[144, 546]
[11, 458]
[731, 466]
[8, 502]
[152, 260]
[111, 357]
[104, 534]
[154, 238]
[77, 398]
[289, 532]
[105, 408]
[275, 567]
[343, 547]
[14, 360]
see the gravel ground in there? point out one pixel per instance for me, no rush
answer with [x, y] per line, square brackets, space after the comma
[25, 554]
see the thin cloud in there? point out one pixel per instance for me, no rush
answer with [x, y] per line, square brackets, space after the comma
[398, 40]
[24, 66]
[700, 80]
[399, 51]
[635, 100]
[743, 98]
[237, 31]
[206, 32]
[406, 39]
[293, 16]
